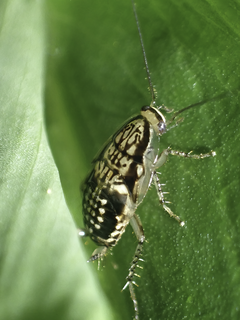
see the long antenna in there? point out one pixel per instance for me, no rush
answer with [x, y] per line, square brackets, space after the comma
[144, 56]
[219, 96]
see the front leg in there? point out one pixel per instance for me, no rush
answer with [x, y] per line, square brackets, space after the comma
[164, 155]
[163, 201]
[160, 162]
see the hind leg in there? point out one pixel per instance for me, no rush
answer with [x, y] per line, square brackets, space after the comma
[138, 229]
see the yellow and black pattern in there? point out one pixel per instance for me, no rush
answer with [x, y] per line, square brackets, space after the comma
[111, 190]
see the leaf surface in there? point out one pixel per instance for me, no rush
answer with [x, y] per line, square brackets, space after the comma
[96, 81]
[43, 270]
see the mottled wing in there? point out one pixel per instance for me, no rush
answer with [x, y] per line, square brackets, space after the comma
[111, 190]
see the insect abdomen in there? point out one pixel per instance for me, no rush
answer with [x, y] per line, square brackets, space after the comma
[111, 191]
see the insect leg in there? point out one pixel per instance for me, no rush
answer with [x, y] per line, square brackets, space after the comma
[189, 155]
[98, 253]
[138, 229]
[163, 201]
[161, 160]
[164, 155]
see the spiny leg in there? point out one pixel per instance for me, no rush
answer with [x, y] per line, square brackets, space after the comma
[164, 155]
[134, 299]
[98, 253]
[190, 155]
[163, 201]
[161, 160]
[138, 229]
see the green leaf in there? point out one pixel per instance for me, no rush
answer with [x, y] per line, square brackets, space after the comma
[96, 80]
[43, 273]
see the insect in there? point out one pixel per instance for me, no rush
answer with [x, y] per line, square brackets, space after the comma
[121, 176]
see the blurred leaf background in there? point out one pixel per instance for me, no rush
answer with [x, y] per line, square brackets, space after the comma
[71, 73]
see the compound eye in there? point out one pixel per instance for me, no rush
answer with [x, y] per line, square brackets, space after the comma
[155, 118]
[161, 127]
